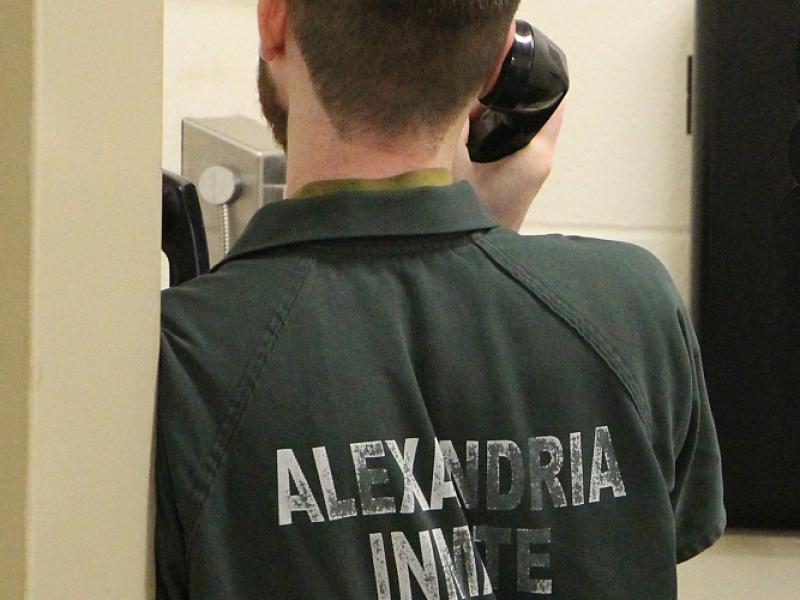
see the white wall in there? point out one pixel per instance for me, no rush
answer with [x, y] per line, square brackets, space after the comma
[623, 167]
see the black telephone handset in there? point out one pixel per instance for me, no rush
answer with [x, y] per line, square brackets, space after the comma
[532, 83]
[183, 235]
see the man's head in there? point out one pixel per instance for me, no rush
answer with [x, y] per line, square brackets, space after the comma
[390, 69]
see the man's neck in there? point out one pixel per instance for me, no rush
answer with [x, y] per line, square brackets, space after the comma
[318, 154]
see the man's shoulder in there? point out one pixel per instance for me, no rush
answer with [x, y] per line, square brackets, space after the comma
[214, 326]
[215, 331]
[590, 273]
[618, 296]
[231, 294]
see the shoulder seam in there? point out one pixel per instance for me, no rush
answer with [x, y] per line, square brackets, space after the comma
[243, 393]
[601, 344]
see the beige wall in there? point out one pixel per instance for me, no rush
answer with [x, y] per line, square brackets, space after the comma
[16, 55]
[79, 367]
[210, 63]
[623, 168]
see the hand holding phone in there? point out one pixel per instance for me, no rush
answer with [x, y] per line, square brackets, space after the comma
[507, 187]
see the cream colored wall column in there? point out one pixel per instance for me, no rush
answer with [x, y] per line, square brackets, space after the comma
[16, 55]
[80, 175]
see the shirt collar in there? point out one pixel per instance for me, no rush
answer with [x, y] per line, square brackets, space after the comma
[418, 178]
[350, 213]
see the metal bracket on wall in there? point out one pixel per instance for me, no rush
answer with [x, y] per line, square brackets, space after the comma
[237, 170]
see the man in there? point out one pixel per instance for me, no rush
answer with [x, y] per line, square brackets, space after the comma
[384, 391]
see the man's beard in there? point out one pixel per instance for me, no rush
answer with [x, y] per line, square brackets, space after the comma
[276, 115]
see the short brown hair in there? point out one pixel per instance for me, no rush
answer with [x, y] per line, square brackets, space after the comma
[395, 66]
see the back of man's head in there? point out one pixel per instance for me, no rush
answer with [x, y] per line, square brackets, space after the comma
[397, 66]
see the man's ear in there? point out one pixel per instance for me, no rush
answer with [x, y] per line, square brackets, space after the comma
[272, 17]
[495, 73]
